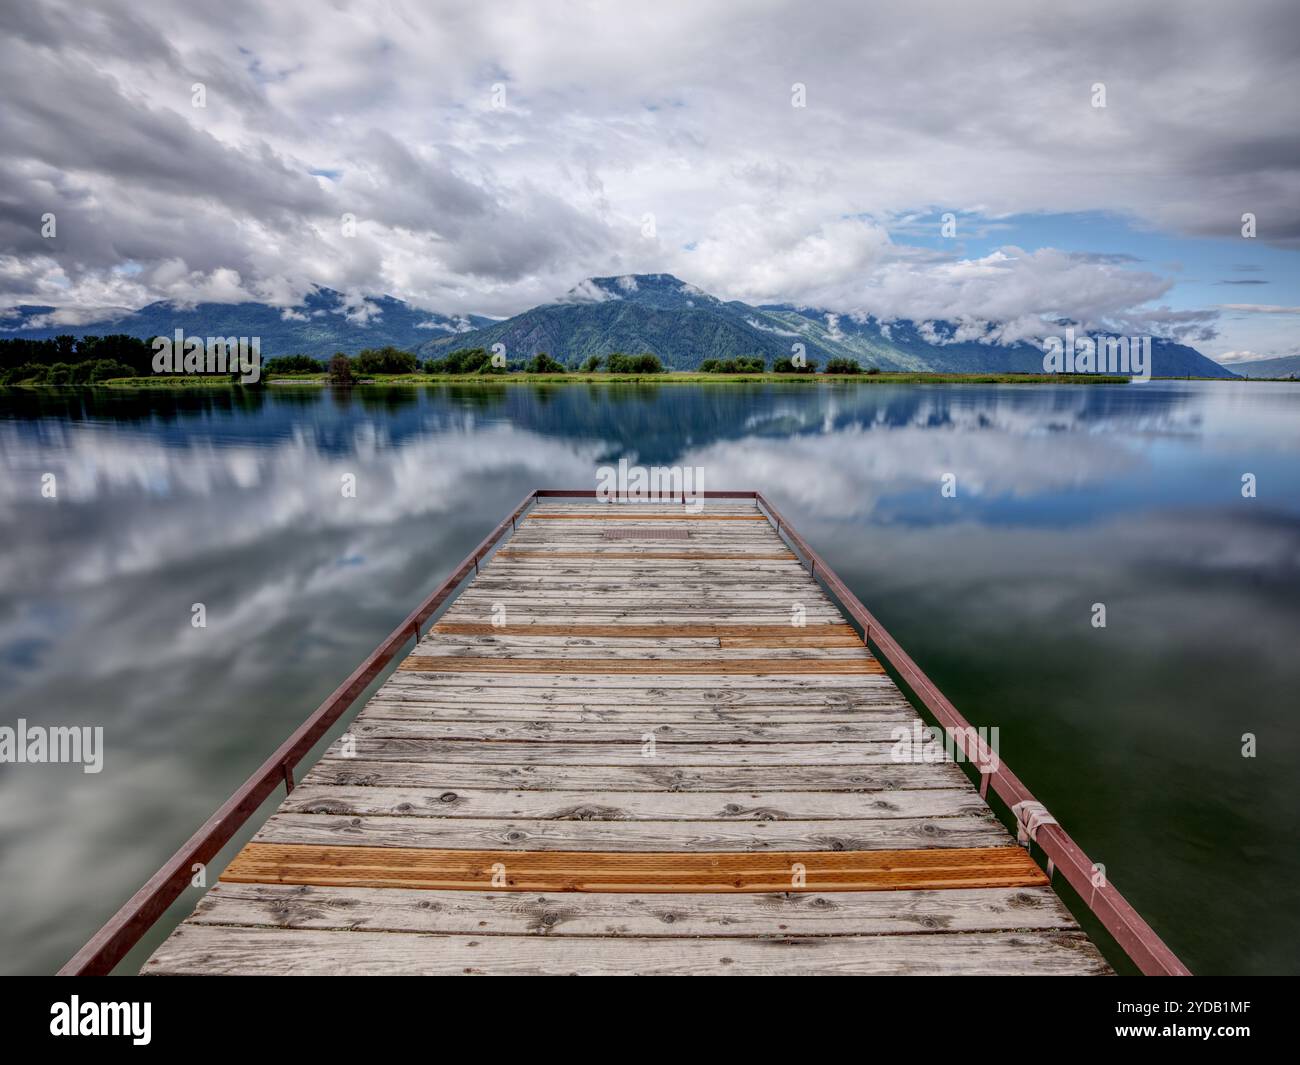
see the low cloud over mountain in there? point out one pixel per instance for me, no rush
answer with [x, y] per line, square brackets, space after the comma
[659, 313]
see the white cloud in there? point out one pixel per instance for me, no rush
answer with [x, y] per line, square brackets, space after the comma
[587, 291]
[613, 113]
[1260, 308]
[1013, 295]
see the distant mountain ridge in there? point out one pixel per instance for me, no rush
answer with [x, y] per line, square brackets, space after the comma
[1286, 366]
[323, 324]
[684, 325]
[657, 313]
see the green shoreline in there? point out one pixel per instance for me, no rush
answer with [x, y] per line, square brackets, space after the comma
[201, 381]
[419, 380]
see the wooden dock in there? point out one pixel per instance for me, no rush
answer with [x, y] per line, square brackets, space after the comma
[642, 740]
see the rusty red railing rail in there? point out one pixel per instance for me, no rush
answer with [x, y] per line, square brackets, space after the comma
[125, 928]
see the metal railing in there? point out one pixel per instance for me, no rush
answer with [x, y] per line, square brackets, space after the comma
[126, 927]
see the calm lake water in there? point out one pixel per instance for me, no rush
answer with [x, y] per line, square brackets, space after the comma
[1129, 496]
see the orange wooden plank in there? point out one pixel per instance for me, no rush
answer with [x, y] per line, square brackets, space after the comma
[901, 870]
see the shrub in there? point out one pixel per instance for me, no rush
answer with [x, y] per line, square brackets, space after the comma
[385, 360]
[543, 363]
[107, 369]
[742, 364]
[292, 364]
[786, 366]
[91, 371]
[462, 360]
[29, 373]
[843, 366]
[592, 364]
[643, 363]
[872, 370]
[340, 370]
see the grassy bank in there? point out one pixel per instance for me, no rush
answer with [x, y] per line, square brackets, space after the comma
[320, 380]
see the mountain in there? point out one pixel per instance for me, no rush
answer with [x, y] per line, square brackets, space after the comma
[640, 312]
[684, 326]
[323, 324]
[1287, 366]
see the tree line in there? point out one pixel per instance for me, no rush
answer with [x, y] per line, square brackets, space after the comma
[463, 361]
[68, 360]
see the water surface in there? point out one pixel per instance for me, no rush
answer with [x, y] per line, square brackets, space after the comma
[1129, 496]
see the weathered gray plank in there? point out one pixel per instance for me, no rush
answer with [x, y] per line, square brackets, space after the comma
[447, 649]
[311, 798]
[372, 725]
[968, 830]
[727, 778]
[653, 683]
[860, 690]
[391, 749]
[612, 914]
[208, 950]
[418, 710]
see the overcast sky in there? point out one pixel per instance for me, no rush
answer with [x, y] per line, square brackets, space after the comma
[494, 153]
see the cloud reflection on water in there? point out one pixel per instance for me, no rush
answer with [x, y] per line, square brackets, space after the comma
[1065, 495]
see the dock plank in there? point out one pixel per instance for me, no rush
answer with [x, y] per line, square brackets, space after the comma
[561, 715]
[439, 776]
[659, 666]
[732, 915]
[653, 632]
[200, 950]
[631, 730]
[546, 752]
[976, 829]
[313, 798]
[360, 865]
